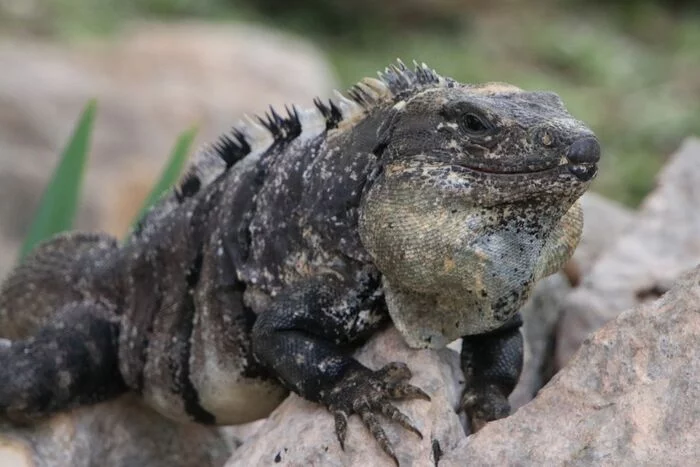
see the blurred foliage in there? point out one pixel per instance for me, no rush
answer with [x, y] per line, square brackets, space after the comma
[59, 203]
[630, 69]
[171, 172]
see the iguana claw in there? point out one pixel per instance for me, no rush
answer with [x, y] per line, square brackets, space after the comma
[368, 393]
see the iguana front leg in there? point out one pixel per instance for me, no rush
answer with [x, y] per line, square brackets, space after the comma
[306, 337]
[492, 363]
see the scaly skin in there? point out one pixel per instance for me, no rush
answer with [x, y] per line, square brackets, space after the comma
[436, 204]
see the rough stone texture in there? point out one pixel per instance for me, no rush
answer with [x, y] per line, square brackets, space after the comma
[604, 222]
[152, 82]
[660, 243]
[300, 433]
[121, 433]
[629, 397]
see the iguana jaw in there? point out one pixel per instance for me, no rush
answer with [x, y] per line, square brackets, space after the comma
[583, 171]
[460, 186]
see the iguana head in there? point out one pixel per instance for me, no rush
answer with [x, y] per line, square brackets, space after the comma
[473, 202]
[493, 144]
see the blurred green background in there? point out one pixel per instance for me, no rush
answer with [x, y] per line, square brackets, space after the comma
[630, 69]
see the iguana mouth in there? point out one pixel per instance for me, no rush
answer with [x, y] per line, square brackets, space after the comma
[582, 171]
[492, 171]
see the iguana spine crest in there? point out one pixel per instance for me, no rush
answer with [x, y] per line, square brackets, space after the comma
[250, 137]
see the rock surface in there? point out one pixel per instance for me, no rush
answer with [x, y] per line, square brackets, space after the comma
[629, 397]
[121, 433]
[151, 83]
[299, 433]
[661, 242]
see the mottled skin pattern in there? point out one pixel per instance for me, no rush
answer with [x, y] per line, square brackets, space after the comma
[436, 204]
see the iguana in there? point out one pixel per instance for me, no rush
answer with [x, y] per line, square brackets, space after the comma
[416, 199]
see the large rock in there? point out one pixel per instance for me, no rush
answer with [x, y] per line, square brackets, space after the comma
[629, 397]
[658, 245]
[151, 83]
[299, 433]
[120, 433]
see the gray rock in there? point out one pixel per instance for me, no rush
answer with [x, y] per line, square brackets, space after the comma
[299, 433]
[629, 397]
[656, 247]
[151, 83]
[604, 221]
[120, 433]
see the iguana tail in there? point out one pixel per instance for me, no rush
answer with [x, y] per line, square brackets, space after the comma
[59, 271]
[61, 349]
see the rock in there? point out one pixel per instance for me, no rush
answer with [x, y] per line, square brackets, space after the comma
[120, 433]
[151, 83]
[540, 315]
[628, 397]
[657, 246]
[604, 221]
[300, 433]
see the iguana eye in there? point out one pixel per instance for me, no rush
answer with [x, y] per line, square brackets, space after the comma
[474, 124]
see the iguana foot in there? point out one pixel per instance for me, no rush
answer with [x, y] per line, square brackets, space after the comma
[368, 393]
[483, 404]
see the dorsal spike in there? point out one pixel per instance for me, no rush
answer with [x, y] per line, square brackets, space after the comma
[334, 117]
[348, 107]
[359, 94]
[253, 137]
[231, 147]
[376, 87]
[292, 111]
[325, 111]
[275, 117]
[188, 187]
[331, 113]
[291, 124]
[271, 122]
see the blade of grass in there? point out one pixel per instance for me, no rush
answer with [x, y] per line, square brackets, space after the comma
[172, 170]
[59, 203]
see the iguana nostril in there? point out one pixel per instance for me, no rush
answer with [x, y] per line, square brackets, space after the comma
[584, 151]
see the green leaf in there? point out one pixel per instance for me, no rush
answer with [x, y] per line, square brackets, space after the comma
[59, 203]
[172, 171]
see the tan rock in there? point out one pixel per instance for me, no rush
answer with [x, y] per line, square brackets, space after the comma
[300, 433]
[628, 397]
[120, 433]
[151, 83]
[655, 248]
